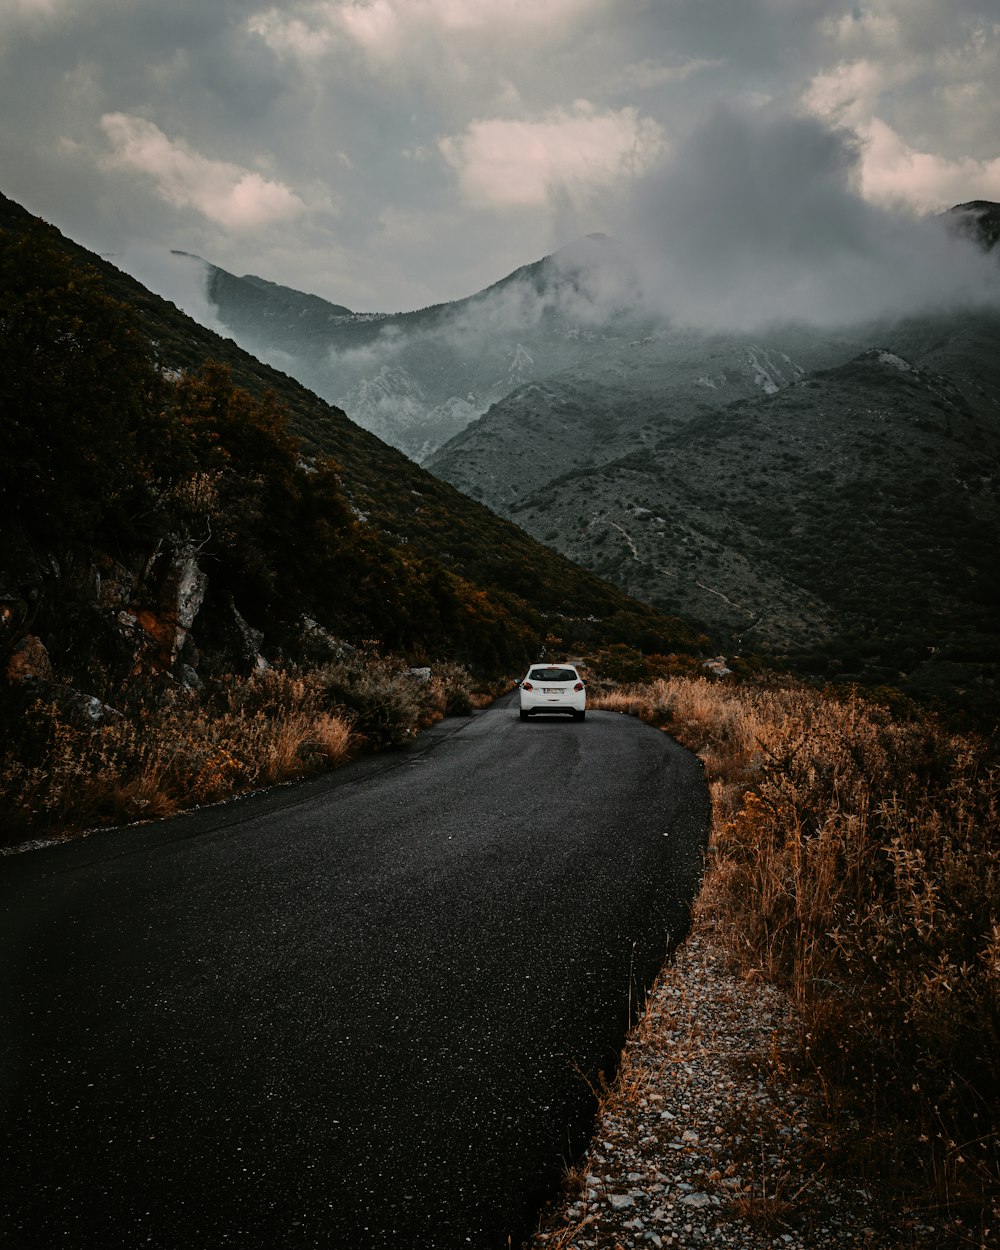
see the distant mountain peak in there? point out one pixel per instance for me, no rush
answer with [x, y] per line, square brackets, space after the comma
[978, 220]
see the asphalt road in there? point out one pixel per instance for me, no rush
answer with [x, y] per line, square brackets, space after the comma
[361, 1011]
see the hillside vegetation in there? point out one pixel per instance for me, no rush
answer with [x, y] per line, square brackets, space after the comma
[407, 506]
[845, 525]
[854, 861]
[173, 525]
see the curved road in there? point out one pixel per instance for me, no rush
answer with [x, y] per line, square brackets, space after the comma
[361, 1011]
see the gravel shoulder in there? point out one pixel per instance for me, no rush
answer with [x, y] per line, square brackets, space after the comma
[706, 1138]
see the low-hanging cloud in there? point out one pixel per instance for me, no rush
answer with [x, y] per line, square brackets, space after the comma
[758, 219]
[174, 276]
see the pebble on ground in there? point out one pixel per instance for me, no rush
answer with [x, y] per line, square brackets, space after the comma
[705, 1138]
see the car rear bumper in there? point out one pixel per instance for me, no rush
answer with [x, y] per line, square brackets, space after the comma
[539, 703]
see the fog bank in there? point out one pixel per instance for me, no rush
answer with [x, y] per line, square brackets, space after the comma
[757, 219]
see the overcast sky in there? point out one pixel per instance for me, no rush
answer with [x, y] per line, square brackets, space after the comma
[389, 154]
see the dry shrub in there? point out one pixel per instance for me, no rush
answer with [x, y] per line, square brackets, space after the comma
[855, 860]
[454, 690]
[331, 736]
[387, 702]
[170, 748]
[272, 747]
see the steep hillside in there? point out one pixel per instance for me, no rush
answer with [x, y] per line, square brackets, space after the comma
[849, 521]
[624, 399]
[417, 378]
[547, 334]
[204, 481]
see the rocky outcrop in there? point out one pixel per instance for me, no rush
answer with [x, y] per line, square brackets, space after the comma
[142, 613]
[29, 661]
[177, 594]
[250, 640]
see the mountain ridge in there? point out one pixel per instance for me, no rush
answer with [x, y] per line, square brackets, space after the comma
[657, 425]
[440, 542]
[847, 524]
[462, 355]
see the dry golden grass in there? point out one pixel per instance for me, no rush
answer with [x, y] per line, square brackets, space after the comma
[855, 860]
[331, 736]
[171, 748]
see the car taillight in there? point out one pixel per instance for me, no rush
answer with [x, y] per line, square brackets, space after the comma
[526, 685]
[578, 686]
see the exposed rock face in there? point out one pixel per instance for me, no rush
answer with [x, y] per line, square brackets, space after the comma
[181, 595]
[320, 645]
[143, 613]
[28, 660]
[30, 668]
[251, 640]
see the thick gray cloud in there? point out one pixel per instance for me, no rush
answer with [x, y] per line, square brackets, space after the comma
[758, 218]
[389, 154]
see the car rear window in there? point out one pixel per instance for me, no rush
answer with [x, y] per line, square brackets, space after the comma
[552, 674]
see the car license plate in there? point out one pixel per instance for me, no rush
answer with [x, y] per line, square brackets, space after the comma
[551, 690]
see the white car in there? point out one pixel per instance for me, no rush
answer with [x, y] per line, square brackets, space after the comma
[553, 688]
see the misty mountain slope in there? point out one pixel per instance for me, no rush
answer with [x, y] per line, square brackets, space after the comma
[419, 379]
[416, 378]
[339, 350]
[571, 321]
[626, 397]
[394, 406]
[258, 300]
[543, 430]
[632, 394]
[964, 345]
[423, 518]
[978, 220]
[853, 516]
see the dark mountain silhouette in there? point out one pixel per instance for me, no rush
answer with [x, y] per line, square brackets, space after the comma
[171, 503]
